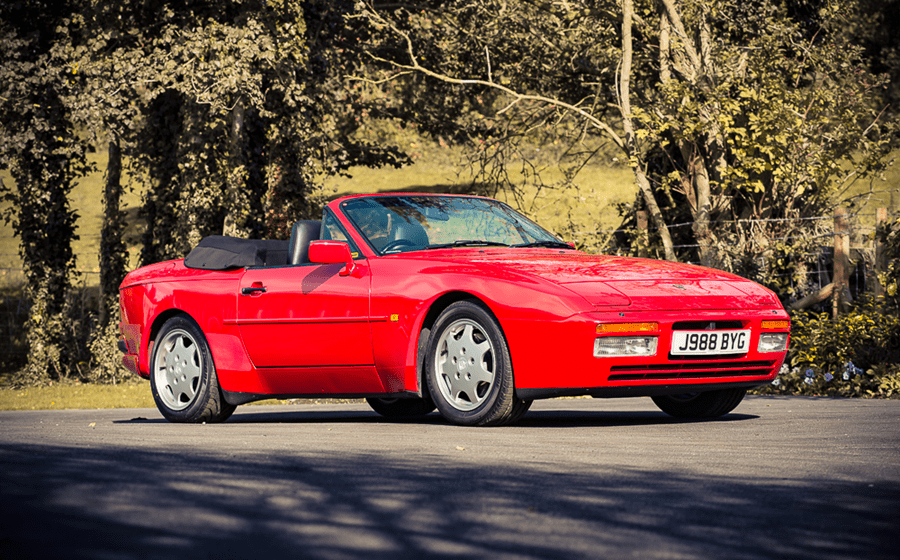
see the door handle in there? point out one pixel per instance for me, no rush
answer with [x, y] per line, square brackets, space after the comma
[256, 288]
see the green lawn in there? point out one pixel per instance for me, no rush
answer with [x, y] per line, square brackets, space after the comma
[60, 396]
[67, 396]
[591, 204]
[86, 199]
[581, 210]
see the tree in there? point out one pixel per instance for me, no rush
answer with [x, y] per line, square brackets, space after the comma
[728, 111]
[44, 156]
[758, 116]
[229, 112]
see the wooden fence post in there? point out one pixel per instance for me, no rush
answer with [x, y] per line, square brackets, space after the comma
[841, 260]
[881, 222]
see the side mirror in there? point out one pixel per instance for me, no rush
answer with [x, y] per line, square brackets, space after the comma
[332, 252]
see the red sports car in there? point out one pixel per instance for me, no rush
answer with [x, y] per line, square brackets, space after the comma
[459, 303]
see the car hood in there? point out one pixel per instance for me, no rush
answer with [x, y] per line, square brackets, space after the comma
[625, 281]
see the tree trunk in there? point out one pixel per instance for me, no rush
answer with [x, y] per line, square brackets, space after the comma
[630, 142]
[113, 256]
[235, 219]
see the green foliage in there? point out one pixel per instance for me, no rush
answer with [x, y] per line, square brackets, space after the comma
[786, 115]
[105, 364]
[889, 236]
[856, 355]
[229, 112]
[758, 110]
[564, 51]
[39, 148]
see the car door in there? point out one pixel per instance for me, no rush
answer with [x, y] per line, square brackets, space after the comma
[306, 316]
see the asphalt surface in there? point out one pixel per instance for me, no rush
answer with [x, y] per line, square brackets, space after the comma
[580, 478]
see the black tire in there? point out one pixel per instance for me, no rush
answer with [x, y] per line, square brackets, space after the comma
[468, 368]
[183, 376]
[401, 408]
[708, 404]
[520, 407]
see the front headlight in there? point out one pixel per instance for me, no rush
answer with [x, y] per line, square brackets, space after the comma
[610, 346]
[772, 342]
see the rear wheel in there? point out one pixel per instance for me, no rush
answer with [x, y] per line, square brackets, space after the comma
[708, 404]
[183, 376]
[401, 408]
[469, 371]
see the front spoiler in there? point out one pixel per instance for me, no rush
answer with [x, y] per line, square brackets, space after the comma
[633, 391]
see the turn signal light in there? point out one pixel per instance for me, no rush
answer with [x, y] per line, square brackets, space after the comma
[780, 324]
[607, 328]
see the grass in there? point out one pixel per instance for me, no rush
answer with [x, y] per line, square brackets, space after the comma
[581, 211]
[590, 204]
[69, 396]
[86, 198]
[587, 207]
[62, 396]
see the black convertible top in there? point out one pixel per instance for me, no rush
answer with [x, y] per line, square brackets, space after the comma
[221, 252]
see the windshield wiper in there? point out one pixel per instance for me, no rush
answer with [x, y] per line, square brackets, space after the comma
[468, 243]
[550, 244]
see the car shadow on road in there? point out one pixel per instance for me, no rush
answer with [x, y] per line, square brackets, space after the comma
[534, 419]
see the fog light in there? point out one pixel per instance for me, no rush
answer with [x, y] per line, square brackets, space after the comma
[772, 342]
[624, 346]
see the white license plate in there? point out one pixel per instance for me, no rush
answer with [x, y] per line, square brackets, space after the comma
[694, 343]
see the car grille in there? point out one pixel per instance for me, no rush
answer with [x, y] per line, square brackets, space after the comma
[704, 370]
[707, 325]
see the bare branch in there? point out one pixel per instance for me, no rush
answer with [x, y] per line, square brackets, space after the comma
[414, 66]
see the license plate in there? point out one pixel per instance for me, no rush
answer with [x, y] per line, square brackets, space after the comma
[694, 343]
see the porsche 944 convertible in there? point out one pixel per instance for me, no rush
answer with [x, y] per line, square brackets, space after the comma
[459, 303]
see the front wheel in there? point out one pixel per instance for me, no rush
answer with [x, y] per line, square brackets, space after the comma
[708, 404]
[183, 376]
[469, 371]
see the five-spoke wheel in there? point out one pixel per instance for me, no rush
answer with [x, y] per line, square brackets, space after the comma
[183, 377]
[469, 374]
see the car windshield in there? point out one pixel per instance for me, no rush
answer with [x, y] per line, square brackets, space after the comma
[393, 224]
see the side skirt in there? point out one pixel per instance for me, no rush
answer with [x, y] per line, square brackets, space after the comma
[235, 398]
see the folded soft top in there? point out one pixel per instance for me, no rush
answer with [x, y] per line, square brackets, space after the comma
[221, 252]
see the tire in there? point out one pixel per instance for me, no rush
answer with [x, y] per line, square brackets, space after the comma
[468, 368]
[183, 376]
[401, 408]
[709, 404]
[520, 407]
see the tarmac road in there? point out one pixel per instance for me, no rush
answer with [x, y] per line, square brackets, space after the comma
[581, 478]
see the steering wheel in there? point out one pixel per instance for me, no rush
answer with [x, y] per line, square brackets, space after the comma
[395, 244]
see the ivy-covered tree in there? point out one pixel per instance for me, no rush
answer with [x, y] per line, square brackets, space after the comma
[98, 49]
[228, 112]
[243, 113]
[39, 147]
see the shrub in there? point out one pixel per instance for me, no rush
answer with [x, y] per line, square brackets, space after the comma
[106, 359]
[889, 236]
[856, 355]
